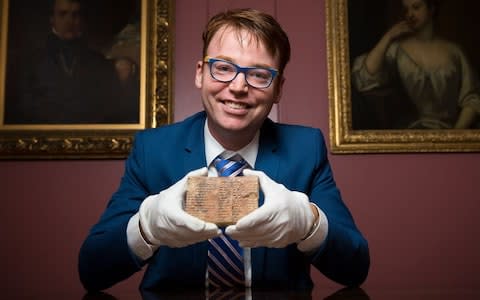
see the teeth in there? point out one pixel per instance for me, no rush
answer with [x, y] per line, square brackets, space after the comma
[235, 105]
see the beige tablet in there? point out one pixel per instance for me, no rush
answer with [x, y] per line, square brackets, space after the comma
[221, 200]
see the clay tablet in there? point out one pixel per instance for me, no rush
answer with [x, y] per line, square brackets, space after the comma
[221, 200]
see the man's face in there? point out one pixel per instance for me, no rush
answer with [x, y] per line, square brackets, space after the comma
[67, 20]
[235, 108]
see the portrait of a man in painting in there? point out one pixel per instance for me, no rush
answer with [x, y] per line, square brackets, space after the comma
[62, 58]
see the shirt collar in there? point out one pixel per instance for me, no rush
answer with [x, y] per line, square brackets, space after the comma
[213, 148]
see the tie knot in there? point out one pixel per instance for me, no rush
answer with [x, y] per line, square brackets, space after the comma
[232, 166]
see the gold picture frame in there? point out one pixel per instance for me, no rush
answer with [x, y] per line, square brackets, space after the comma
[344, 138]
[108, 139]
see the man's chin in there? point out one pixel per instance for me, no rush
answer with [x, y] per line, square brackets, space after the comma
[234, 128]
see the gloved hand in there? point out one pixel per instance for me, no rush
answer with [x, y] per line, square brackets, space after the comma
[284, 218]
[164, 222]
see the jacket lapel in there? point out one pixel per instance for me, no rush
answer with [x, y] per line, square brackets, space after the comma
[194, 158]
[268, 162]
[194, 150]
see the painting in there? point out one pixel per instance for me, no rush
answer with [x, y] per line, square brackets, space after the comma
[403, 76]
[79, 78]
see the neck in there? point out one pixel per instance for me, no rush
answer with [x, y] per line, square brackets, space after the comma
[426, 33]
[232, 141]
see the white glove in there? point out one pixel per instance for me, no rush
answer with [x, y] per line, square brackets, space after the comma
[284, 218]
[164, 222]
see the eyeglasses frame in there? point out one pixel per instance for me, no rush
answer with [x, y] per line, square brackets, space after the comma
[210, 60]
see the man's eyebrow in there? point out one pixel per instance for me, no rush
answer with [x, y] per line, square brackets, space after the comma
[227, 58]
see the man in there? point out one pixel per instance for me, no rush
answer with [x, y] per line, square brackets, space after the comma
[301, 219]
[66, 82]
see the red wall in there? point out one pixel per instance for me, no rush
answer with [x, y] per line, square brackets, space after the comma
[418, 211]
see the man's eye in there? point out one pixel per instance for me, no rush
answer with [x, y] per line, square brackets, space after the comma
[224, 68]
[260, 74]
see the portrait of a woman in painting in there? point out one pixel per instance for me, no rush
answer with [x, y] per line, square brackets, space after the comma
[414, 72]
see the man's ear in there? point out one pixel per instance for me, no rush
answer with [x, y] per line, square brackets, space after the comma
[199, 75]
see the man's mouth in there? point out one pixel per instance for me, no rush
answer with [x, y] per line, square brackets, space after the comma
[235, 105]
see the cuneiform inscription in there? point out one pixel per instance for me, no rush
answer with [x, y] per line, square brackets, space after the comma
[221, 200]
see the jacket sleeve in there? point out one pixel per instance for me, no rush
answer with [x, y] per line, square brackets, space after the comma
[105, 257]
[344, 255]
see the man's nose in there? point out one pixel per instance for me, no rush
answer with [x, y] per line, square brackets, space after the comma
[239, 83]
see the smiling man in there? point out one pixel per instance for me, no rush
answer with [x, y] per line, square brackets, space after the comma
[301, 219]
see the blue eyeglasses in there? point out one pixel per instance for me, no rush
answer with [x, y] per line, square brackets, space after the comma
[225, 71]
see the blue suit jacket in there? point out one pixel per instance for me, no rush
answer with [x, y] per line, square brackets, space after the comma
[295, 156]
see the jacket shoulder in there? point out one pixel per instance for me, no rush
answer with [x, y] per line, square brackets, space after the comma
[177, 130]
[289, 132]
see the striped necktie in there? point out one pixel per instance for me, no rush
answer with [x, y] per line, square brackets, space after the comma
[225, 261]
